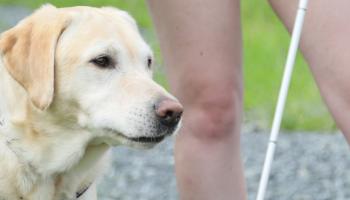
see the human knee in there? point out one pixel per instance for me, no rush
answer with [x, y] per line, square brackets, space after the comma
[215, 115]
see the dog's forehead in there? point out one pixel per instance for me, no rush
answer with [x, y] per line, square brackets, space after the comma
[112, 15]
[105, 25]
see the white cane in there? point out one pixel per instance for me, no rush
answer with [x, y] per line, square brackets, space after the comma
[282, 98]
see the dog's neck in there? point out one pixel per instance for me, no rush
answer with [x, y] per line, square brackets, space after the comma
[43, 148]
[46, 154]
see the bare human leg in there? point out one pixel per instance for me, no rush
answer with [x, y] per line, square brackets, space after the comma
[201, 44]
[325, 44]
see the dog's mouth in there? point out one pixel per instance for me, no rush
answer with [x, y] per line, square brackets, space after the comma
[152, 139]
[146, 140]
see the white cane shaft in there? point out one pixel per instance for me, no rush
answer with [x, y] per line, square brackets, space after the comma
[282, 98]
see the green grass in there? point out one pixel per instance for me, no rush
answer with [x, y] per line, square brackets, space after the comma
[266, 44]
[265, 49]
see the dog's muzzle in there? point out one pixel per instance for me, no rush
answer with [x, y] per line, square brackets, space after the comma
[168, 114]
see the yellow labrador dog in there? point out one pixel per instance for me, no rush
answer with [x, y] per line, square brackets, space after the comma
[74, 82]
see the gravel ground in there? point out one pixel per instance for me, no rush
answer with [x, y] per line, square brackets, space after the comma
[308, 166]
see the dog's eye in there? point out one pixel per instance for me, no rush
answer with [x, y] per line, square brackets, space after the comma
[149, 62]
[103, 62]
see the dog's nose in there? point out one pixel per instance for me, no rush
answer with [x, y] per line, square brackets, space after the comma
[169, 112]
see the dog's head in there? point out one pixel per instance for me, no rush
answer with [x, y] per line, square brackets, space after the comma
[89, 68]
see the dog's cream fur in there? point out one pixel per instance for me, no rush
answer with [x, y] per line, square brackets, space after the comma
[59, 113]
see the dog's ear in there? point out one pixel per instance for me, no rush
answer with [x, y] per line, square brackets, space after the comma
[28, 52]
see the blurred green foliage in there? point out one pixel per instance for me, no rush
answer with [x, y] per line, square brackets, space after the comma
[266, 44]
[265, 48]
